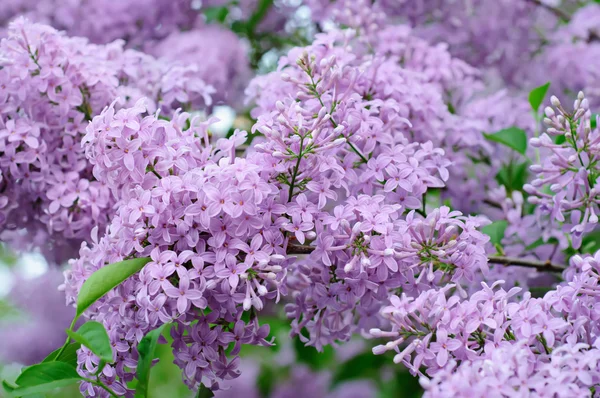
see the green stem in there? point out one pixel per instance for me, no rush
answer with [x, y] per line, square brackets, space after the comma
[333, 122]
[295, 171]
[102, 386]
[67, 340]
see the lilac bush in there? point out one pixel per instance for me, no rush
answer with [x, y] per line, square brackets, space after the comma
[399, 176]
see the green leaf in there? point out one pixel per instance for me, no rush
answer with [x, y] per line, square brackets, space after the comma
[512, 137]
[93, 335]
[590, 243]
[45, 377]
[310, 356]
[106, 279]
[9, 388]
[513, 176]
[495, 231]
[536, 96]
[593, 123]
[216, 14]
[204, 392]
[365, 365]
[265, 381]
[69, 355]
[403, 384]
[146, 349]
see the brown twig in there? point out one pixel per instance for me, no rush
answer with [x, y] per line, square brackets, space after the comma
[537, 264]
[522, 262]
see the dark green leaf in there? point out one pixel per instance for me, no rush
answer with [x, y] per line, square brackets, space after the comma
[362, 366]
[560, 139]
[310, 356]
[590, 243]
[69, 355]
[266, 380]
[106, 279]
[204, 392]
[512, 137]
[93, 335]
[495, 231]
[513, 176]
[402, 385]
[536, 96]
[593, 123]
[45, 377]
[146, 349]
[239, 27]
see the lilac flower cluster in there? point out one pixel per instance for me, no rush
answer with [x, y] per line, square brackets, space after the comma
[570, 169]
[50, 87]
[226, 69]
[209, 223]
[217, 228]
[353, 269]
[104, 21]
[368, 160]
[491, 340]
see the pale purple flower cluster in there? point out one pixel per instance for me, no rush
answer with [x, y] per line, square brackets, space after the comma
[364, 252]
[491, 34]
[569, 170]
[50, 88]
[359, 139]
[209, 223]
[514, 371]
[226, 68]
[534, 345]
[103, 21]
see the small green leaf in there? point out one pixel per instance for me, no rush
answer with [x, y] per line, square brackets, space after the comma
[105, 279]
[146, 349]
[45, 377]
[93, 335]
[512, 137]
[593, 122]
[69, 355]
[495, 231]
[560, 139]
[537, 95]
[204, 392]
